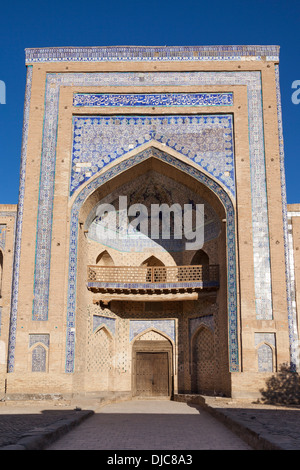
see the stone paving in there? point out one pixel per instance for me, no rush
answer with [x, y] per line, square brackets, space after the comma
[150, 425]
[45, 425]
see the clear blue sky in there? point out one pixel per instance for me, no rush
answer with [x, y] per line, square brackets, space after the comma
[137, 22]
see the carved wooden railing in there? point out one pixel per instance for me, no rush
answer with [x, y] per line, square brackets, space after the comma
[153, 274]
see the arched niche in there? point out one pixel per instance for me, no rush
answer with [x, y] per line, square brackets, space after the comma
[172, 167]
[104, 259]
[200, 258]
[152, 261]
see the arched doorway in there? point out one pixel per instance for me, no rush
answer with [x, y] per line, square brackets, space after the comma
[152, 371]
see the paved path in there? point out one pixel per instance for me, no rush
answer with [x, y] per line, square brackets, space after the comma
[150, 425]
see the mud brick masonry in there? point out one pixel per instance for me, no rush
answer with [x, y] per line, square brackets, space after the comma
[81, 315]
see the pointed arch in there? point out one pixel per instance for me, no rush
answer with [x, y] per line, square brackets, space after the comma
[200, 258]
[151, 329]
[105, 330]
[152, 261]
[90, 193]
[203, 360]
[1, 272]
[104, 259]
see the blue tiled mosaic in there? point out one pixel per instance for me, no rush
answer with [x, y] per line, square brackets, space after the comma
[18, 232]
[136, 327]
[150, 53]
[149, 285]
[292, 314]
[206, 140]
[108, 322]
[2, 236]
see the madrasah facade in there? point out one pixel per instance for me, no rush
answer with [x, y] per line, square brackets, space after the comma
[87, 309]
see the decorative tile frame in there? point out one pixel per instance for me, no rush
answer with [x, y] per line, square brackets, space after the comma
[263, 343]
[292, 315]
[292, 302]
[259, 203]
[109, 323]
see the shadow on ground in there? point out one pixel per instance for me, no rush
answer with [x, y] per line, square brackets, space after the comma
[14, 426]
[282, 388]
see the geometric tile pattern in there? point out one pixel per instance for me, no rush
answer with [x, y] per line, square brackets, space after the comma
[206, 140]
[138, 326]
[265, 358]
[39, 357]
[260, 219]
[294, 339]
[39, 338]
[39, 352]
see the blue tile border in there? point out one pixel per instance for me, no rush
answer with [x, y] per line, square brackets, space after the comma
[292, 316]
[150, 53]
[207, 140]
[149, 285]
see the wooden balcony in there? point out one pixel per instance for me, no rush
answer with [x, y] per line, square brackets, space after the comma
[118, 282]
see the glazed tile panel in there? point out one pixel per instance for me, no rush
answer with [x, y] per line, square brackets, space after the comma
[152, 99]
[137, 327]
[292, 315]
[100, 140]
[150, 53]
[109, 323]
[2, 236]
[19, 220]
[231, 246]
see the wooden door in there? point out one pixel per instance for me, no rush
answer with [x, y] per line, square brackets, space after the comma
[152, 374]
